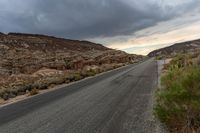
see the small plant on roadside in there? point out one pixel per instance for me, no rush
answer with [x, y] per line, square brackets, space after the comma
[77, 76]
[34, 92]
[159, 57]
[91, 72]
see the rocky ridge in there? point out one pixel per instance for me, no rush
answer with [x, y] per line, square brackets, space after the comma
[179, 48]
[31, 61]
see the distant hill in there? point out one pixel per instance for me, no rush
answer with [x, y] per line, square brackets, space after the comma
[35, 41]
[27, 53]
[29, 61]
[184, 47]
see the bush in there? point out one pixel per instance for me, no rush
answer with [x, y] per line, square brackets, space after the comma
[178, 105]
[34, 92]
[91, 72]
[159, 57]
[77, 77]
[40, 85]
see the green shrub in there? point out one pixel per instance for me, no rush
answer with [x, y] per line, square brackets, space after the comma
[159, 57]
[68, 65]
[178, 105]
[77, 77]
[91, 72]
[40, 85]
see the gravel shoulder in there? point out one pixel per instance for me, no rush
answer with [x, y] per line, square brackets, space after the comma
[160, 128]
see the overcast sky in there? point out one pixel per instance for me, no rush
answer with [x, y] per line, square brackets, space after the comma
[136, 26]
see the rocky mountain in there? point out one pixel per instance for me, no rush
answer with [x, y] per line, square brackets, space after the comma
[185, 47]
[29, 61]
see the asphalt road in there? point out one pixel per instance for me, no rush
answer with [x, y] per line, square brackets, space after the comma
[119, 101]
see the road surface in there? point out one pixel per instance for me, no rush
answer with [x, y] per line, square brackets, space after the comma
[119, 101]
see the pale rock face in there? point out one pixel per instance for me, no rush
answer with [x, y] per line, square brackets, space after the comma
[47, 72]
[92, 67]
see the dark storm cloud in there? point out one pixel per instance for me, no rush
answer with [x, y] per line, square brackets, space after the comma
[82, 18]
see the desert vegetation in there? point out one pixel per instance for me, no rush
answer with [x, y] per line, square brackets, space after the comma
[16, 85]
[178, 101]
[30, 63]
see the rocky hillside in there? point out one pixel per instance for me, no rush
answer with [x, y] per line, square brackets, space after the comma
[185, 47]
[30, 61]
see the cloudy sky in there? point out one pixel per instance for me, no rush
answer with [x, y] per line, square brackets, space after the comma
[136, 26]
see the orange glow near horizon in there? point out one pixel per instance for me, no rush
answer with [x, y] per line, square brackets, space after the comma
[180, 35]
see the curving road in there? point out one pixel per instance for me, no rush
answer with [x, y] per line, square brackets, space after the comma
[119, 101]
